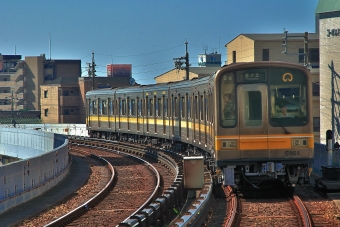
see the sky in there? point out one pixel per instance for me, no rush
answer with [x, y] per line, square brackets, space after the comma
[147, 34]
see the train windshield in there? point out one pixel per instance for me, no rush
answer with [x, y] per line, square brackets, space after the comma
[288, 97]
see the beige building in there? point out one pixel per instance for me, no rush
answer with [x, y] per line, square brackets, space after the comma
[63, 99]
[178, 75]
[20, 80]
[268, 47]
[328, 28]
[53, 87]
[208, 63]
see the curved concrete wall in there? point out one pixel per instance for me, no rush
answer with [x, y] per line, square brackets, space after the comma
[45, 162]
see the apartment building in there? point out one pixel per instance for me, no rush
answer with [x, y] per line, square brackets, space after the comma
[20, 80]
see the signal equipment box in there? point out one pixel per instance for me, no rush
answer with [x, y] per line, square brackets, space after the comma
[193, 172]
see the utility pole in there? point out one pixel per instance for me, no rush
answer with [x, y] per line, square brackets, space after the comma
[92, 70]
[178, 62]
[12, 108]
[305, 52]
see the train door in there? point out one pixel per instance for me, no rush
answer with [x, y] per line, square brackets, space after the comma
[253, 115]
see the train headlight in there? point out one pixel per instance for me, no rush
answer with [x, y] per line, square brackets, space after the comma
[229, 144]
[303, 142]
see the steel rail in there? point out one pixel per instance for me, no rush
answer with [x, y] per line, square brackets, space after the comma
[303, 212]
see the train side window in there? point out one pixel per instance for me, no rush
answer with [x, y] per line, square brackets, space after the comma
[205, 109]
[159, 108]
[123, 107]
[90, 107]
[111, 107]
[139, 107]
[128, 106]
[100, 107]
[188, 107]
[165, 106]
[174, 106]
[227, 101]
[182, 107]
[104, 107]
[195, 108]
[94, 105]
[150, 107]
[202, 108]
[133, 107]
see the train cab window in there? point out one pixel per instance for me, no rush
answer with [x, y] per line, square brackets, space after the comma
[132, 107]
[227, 100]
[288, 98]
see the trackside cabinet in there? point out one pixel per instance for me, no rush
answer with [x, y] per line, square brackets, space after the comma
[193, 172]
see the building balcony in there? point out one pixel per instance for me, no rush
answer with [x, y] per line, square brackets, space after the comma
[9, 95]
[69, 100]
[18, 76]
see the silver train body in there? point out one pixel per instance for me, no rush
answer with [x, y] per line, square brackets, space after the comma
[232, 117]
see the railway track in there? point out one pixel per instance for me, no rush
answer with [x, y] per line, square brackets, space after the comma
[158, 210]
[259, 208]
[96, 209]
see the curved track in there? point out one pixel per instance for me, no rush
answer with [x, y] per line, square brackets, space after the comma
[259, 208]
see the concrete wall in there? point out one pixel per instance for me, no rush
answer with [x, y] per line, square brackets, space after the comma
[63, 129]
[44, 162]
[329, 75]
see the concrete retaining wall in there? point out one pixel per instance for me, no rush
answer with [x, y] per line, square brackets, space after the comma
[44, 162]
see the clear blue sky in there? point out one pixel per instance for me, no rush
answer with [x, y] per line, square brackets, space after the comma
[147, 34]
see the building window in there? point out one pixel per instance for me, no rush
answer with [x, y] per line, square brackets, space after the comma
[234, 56]
[316, 124]
[316, 89]
[301, 55]
[313, 54]
[46, 112]
[45, 94]
[265, 55]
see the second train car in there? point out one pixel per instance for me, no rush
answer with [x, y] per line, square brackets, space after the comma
[252, 121]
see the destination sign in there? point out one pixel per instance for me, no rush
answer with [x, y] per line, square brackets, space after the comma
[252, 76]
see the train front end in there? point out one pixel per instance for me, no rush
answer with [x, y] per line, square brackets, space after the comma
[265, 128]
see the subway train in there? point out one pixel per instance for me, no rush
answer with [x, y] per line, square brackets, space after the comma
[251, 121]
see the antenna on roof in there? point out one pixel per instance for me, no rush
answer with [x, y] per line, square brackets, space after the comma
[50, 43]
[205, 48]
[15, 50]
